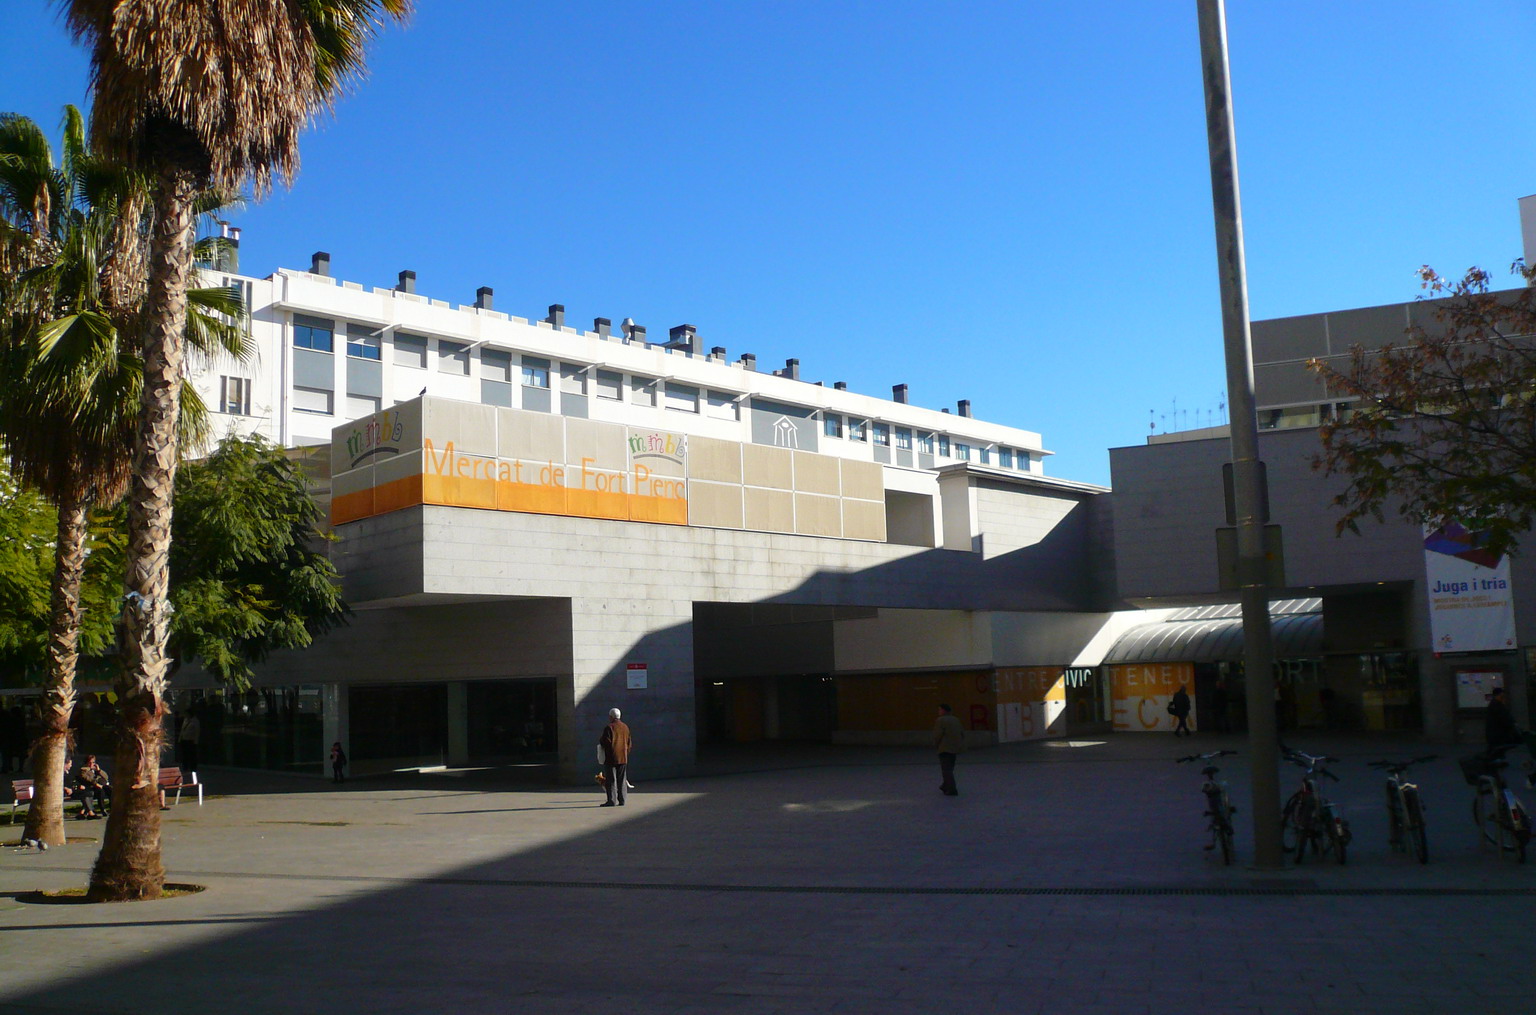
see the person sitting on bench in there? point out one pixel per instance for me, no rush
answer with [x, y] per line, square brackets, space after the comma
[92, 783]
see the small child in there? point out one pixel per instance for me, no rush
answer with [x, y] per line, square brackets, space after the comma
[338, 762]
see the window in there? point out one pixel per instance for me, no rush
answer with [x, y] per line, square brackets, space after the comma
[857, 430]
[1024, 461]
[410, 351]
[1005, 457]
[610, 384]
[682, 397]
[963, 452]
[986, 456]
[535, 372]
[362, 343]
[312, 400]
[925, 443]
[452, 357]
[495, 365]
[573, 379]
[642, 390]
[944, 445]
[832, 424]
[359, 406]
[882, 433]
[722, 405]
[235, 395]
[903, 439]
[313, 333]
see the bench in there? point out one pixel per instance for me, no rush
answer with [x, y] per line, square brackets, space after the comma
[172, 779]
[21, 794]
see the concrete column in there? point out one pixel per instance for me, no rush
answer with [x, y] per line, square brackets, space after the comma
[606, 636]
[458, 723]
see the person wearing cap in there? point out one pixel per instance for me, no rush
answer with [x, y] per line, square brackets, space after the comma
[615, 744]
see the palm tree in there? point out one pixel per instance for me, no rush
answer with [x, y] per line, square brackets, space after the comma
[196, 95]
[72, 237]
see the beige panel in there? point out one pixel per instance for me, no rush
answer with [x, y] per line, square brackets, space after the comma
[398, 428]
[715, 460]
[865, 480]
[601, 442]
[351, 482]
[386, 469]
[660, 452]
[770, 510]
[863, 519]
[817, 516]
[534, 436]
[470, 426]
[714, 504]
[765, 466]
[817, 474]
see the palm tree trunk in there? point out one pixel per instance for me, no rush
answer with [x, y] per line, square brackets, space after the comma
[129, 865]
[45, 818]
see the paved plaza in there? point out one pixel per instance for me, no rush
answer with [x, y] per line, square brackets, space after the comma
[1067, 877]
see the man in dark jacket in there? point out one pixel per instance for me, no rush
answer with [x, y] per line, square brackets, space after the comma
[1179, 709]
[615, 744]
[1498, 722]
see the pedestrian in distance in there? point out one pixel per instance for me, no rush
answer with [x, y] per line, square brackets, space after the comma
[1498, 722]
[187, 740]
[93, 787]
[615, 745]
[1179, 709]
[338, 763]
[949, 740]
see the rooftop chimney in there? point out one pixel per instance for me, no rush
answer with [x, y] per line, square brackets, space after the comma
[791, 370]
[631, 331]
[840, 385]
[320, 263]
[685, 337]
[483, 297]
[556, 316]
[717, 354]
[964, 407]
[899, 393]
[749, 361]
[603, 326]
[407, 283]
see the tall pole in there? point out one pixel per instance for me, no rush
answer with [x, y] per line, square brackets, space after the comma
[1247, 479]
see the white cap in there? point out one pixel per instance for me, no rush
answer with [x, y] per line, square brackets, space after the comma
[613, 713]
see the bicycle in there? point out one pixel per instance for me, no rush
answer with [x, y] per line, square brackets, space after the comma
[1310, 818]
[1218, 806]
[1497, 812]
[1405, 808]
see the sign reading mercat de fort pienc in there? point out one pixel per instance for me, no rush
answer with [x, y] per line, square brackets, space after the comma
[464, 454]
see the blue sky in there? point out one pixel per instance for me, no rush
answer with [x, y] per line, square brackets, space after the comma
[1005, 202]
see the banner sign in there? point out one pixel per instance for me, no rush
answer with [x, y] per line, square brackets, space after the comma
[1141, 694]
[1470, 604]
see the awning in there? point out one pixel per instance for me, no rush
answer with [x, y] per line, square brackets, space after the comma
[1209, 634]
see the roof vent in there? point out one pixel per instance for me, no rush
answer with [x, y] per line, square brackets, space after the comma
[320, 263]
[483, 297]
[407, 283]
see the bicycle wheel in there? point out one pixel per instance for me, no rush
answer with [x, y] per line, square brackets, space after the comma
[1224, 831]
[1290, 832]
[1413, 821]
[1394, 819]
[1485, 813]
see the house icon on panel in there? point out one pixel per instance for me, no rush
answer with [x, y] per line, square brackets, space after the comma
[785, 433]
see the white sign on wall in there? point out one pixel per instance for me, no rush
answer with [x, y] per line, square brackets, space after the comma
[1471, 608]
[639, 675]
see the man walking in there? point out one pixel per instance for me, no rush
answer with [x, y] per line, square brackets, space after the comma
[949, 738]
[615, 744]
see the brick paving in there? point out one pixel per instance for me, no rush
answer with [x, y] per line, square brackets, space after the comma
[1063, 879]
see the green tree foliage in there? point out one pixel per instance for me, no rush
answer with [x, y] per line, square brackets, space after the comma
[26, 566]
[247, 574]
[1443, 426]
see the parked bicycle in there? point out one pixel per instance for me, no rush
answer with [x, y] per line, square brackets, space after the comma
[1310, 818]
[1218, 806]
[1405, 808]
[1500, 816]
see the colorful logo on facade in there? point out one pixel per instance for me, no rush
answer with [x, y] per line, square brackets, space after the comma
[377, 435]
[1455, 541]
[670, 447]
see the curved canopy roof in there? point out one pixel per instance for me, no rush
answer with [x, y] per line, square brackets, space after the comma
[1209, 634]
